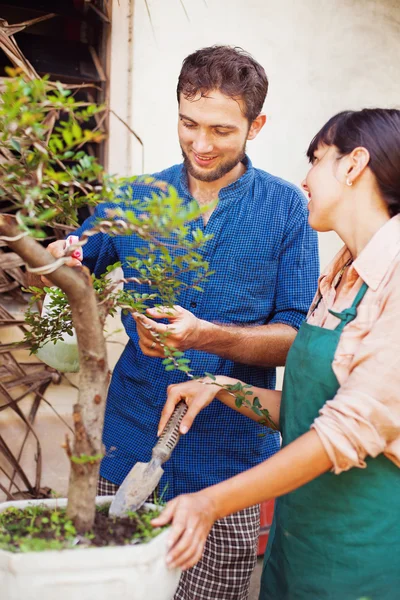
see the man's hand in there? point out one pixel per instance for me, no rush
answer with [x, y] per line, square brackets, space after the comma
[57, 250]
[192, 517]
[182, 332]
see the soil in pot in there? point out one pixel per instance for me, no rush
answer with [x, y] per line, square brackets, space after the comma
[38, 528]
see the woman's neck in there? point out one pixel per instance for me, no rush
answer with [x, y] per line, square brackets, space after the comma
[361, 222]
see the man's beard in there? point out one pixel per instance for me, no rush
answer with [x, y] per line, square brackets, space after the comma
[218, 172]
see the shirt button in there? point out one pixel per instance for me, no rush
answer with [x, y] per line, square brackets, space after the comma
[193, 304]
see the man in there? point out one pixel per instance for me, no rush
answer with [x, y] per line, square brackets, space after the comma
[242, 325]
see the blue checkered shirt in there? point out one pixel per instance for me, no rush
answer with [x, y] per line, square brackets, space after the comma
[265, 259]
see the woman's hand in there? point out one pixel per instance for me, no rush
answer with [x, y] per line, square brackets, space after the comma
[192, 517]
[57, 250]
[197, 395]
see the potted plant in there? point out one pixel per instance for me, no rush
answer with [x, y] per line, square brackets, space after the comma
[45, 177]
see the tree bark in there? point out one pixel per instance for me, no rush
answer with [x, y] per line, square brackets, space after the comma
[93, 377]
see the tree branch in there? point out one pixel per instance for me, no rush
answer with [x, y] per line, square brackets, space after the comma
[94, 372]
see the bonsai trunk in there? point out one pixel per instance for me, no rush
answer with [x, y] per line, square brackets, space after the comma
[88, 416]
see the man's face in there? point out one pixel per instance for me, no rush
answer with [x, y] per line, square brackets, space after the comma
[212, 133]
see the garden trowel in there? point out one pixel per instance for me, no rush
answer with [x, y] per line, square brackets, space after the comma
[143, 478]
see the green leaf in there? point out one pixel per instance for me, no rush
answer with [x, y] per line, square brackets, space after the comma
[235, 388]
[257, 411]
[76, 131]
[67, 135]
[15, 144]
[210, 375]
[48, 214]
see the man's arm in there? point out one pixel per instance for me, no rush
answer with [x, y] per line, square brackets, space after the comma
[262, 345]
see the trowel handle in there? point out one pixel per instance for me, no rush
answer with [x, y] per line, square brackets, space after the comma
[170, 436]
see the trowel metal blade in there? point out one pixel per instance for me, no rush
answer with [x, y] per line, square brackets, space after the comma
[137, 486]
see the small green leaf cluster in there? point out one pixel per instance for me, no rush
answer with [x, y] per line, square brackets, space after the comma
[145, 530]
[46, 174]
[52, 326]
[244, 396]
[38, 528]
[172, 250]
[163, 267]
[57, 320]
[22, 531]
[174, 359]
[84, 459]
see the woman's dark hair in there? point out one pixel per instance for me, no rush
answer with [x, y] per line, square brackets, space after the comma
[377, 130]
[230, 70]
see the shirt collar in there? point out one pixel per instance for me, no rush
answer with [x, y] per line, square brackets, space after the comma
[374, 261]
[236, 187]
[326, 279]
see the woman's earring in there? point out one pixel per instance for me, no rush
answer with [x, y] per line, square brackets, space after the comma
[348, 182]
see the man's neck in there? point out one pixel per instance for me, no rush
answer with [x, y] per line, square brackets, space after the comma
[207, 191]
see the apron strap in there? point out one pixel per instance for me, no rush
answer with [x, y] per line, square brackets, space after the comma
[349, 314]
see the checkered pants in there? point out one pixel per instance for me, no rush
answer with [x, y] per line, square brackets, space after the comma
[229, 556]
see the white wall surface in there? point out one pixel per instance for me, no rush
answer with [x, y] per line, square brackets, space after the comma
[321, 56]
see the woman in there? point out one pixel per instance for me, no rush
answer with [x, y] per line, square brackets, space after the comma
[336, 532]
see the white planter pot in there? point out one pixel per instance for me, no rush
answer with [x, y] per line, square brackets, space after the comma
[64, 354]
[111, 573]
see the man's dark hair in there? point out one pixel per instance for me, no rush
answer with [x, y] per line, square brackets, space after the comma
[377, 130]
[229, 70]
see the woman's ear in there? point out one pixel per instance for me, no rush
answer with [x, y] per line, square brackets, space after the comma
[357, 163]
[256, 126]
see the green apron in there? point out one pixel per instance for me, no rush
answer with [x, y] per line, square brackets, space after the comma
[338, 537]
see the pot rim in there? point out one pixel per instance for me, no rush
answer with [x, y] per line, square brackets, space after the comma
[141, 553]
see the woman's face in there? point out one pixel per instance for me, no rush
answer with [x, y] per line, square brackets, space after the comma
[325, 185]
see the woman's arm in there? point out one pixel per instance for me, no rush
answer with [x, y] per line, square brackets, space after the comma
[193, 515]
[201, 392]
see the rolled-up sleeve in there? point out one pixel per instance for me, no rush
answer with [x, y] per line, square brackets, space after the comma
[298, 269]
[363, 419]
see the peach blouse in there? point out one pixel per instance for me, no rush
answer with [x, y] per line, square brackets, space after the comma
[363, 419]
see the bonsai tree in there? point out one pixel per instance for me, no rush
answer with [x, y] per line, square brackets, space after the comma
[45, 177]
